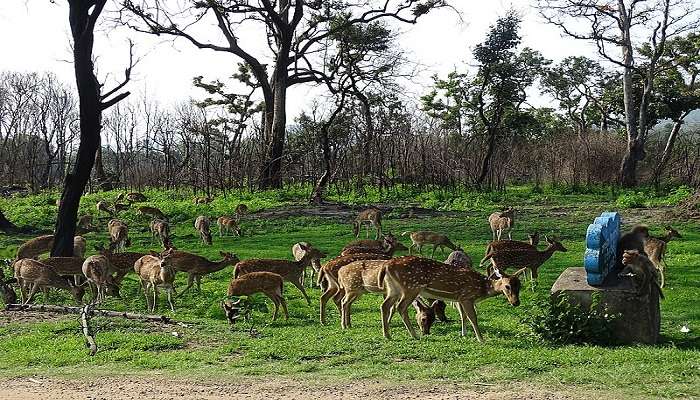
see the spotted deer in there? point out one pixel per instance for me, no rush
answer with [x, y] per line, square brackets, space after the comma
[33, 248]
[203, 225]
[459, 259]
[387, 246]
[160, 230]
[197, 266]
[405, 278]
[268, 283]
[152, 212]
[328, 274]
[67, 266]
[420, 238]
[118, 234]
[504, 245]
[531, 259]
[32, 274]
[103, 206]
[502, 222]
[372, 217]
[655, 248]
[291, 271]
[121, 263]
[154, 271]
[299, 253]
[97, 271]
[136, 197]
[226, 225]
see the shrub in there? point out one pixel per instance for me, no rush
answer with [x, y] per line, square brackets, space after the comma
[555, 319]
[631, 200]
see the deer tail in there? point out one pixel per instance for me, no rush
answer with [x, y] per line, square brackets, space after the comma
[380, 277]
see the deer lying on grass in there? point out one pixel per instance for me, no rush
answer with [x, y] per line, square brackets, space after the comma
[387, 246]
[299, 253]
[655, 248]
[197, 266]
[642, 270]
[35, 275]
[121, 263]
[154, 271]
[33, 248]
[420, 238]
[152, 212]
[271, 284]
[502, 222]
[203, 226]
[329, 274]
[529, 258]
[103, 206]
[371, 217]
[136, 197]
[161, 230]
[405, 278]
[226, 225]
[97, 270]
[118, 234]
[291, 271]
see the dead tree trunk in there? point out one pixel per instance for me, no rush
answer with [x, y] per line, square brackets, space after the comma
[668, 149]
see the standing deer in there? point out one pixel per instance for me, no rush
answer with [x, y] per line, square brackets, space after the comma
[197, 266]
[67, 266]
[420, 238]
[299, 253]
[240, 211]
[291, 271]
[118, 234]
[160, 229]
[372, 217]
[152, 212]
[121, 263]
[33, 248]
[529, 258]
[34, 275]
[405, 278]
[155, 271]
[505, 245]
[655, 248]
[502, 222]
[271, 284]
[203, 226]
[97, 271]
[226, 225]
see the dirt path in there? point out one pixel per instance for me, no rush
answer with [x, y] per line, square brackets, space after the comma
[161, 388]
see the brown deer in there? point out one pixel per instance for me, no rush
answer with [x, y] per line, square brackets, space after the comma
[203, 226]
[504, 245]
[136, 197]
[197, 266]
[118, 234]
[152, 212]
[33, 248]
[226, 225]
[119, 207]
[405, 278]
[299, 253]
[388, 245]
[271, 284]
[655, 248]
[161, 230]
[529, 258]
[202, 200]
[34, 275]
[329, 274]
[121, 263]
[103, 206]
[291, 271]
[97, 270]
[502, 222]
[420, 238]
[154, 271]
[67, 266]
[371, 217]
[642, 270]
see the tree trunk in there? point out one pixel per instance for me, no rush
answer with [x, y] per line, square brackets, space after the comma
[270, 176]
[666, 155]
[486, 162]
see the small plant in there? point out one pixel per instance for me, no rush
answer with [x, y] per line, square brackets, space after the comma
[557, 320]
[632, 200]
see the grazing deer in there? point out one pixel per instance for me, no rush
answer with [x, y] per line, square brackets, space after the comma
[388, 246]
[372, 217]
[271, 284]
[103, 206]
[291, 271]
[502, 222]
[405, 278]
[420, 238]
[299, 253]
[135, 197]
[655, 248]
[119, 207]
[529, 258]
[121, 263]
[152, 212]
[203, 226]
[226, 225]
[197, 266]
[33, 248]
[161, 230]
[154, 271]
[97, 271]
[37, 275]
[329, 274]
[642, 270]
[118, 234]
[202, 200]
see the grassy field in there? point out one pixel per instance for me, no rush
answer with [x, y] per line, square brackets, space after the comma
[205, 346]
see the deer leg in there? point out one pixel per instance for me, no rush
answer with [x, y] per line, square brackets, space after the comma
[467, 309]
[198, 279]
[386, 307]
[283, 302]
[300, 286]
[327, 295]
[170, 290]
[402, 309]
[348, 299]
[35, 286]
[190, 282]
[410, 248]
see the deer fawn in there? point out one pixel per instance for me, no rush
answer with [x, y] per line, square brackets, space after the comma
[97, 270]
[118, 234]
[161, 229]
[299, 253]
[329, 274]
[291, 271]
[529, 258]
[152, 212]
[271, 284]
[642, 270]
[203, 225]
[371, 217]
[420, 238]
[37, 275]
[226, 225]
[154, 270]
[502, 222]
[33, 248]
[655, 248]
[405, 278]
[103, 206]
[196, 266]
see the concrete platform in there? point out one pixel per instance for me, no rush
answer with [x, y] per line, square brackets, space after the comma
[639, 318]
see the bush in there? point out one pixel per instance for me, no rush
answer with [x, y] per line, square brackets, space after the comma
[632, 200]
[556, 320]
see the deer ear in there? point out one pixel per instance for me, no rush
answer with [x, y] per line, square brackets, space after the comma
[519, 272]
[496, 273]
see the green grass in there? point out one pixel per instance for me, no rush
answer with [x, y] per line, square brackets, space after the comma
[301, 347]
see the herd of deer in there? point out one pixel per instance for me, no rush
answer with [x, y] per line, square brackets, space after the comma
[363, 266]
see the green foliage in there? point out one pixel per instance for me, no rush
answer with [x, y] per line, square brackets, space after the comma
[556, 320]
[632, 200]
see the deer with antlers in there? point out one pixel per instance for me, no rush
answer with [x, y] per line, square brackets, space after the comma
[370, 216]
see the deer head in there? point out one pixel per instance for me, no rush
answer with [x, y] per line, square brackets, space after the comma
[534, 238]
[230, 258]
[508, 285]
[425, 316]
[672, 233]
[391, 241]
[555, 244]
[232, 310]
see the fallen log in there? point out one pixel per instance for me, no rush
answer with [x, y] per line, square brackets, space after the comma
[94, 312]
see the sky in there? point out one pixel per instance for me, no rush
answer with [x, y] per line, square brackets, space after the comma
[36, 38]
